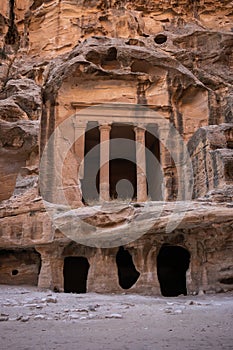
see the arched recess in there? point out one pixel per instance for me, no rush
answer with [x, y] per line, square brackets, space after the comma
[172, 264]
[127, 273]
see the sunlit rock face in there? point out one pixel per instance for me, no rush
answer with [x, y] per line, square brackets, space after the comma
[119, 76]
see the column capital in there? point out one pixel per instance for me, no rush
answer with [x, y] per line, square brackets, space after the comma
[105, 127]
[163, 131]
[139, 128]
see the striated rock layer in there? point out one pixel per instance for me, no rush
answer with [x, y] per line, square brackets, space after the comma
[160, 72]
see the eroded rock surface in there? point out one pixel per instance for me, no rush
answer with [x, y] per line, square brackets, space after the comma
[59, 58]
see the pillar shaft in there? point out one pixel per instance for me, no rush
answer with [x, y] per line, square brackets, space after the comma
[166, 162]
[141, 164]
[79, 147]
[104, 162]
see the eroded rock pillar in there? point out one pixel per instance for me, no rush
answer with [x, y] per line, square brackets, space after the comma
[51, 272]
[103, 275]
[141, 164]
[45, 276]
[104, 161]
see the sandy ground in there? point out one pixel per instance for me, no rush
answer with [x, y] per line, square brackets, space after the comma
[35, 319]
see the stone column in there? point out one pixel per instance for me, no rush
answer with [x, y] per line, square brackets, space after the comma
[141, 164]
[166, 162]
[45, 279]
[104, 161]
[103, 274]
[51, 272]
[79, 146]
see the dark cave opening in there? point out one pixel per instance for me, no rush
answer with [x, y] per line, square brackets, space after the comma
[75, 274]
[127, 273]
[12, 36]
[160, 39]
[172, 264]
[228, 280]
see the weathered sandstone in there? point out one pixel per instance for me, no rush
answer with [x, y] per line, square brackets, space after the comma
[119, 75]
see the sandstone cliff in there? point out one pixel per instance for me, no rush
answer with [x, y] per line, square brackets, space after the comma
[183, 47]
[176, 57]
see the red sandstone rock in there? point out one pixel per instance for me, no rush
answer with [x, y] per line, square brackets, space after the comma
[58, 60]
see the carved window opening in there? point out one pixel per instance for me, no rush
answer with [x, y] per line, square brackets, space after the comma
[172, 264]
[75, 274]
[127, 273]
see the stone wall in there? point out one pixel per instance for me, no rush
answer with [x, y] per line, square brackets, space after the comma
[210, 267]
[19, 266]
[212, 157]
[205, 232]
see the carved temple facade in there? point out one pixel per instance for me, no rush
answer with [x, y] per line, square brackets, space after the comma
[126, 182]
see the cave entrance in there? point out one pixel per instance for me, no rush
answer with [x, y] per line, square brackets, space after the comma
[127, 273]
[172, 264]
[75, 274]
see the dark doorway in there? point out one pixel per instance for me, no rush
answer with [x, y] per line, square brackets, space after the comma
[122, 165]
[122, 179]
[153, 168]
[75, 274]
[127, 272]
[90, 182]
[172, 264]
